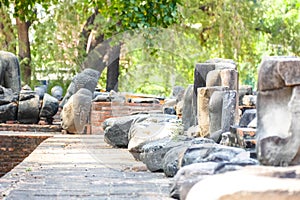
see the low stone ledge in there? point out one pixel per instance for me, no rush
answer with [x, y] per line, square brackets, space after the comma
[30, 128]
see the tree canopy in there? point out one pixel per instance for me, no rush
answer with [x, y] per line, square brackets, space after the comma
[161, 39]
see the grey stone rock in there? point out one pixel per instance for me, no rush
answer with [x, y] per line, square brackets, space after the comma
[270, 182]
[76, 111]
[213, 78]
[178, 92]
[116, 129]
[247, 117]
[8, 112]
[189, 175]
[171, 159]
[276, 72]
[215, 109]
[40, 90]
[209, 153]
[7, 96]
[253, 123]
[244, 90]
[249, 100]
[10, 71]
[278, 142]
[28, 108]
[152, 128]
[189, 110]
[87, 79]
[57, 92]
[49, 107]
[200, 74]
[169, 111]
[153, 152]
[229, 110]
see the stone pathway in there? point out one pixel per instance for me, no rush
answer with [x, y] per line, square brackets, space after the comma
[82, 167]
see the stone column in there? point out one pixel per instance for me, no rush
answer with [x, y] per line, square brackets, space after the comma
[278, 111]
[203, 99]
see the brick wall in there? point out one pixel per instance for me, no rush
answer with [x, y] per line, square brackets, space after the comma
[100, 111]
[15, 148]
[104, 110]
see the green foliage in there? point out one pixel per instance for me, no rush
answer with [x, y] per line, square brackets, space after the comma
[123, 15]
[156, 59]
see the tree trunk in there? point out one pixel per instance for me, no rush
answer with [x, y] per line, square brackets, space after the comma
[89, 39]
[112, 76]
[24, 49]
[7, 37]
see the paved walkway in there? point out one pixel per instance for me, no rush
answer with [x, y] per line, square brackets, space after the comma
[82, 167]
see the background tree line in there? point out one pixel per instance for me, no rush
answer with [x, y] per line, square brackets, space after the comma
[166, 38]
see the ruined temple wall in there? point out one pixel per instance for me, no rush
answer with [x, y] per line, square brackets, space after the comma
[104, 110]
[15, 148]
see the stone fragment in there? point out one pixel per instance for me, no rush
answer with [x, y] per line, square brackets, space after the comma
[209, 152]
[87, 79]
[154, 127]
[276, 72]
[152, 153]
[200, 73]
[49, 107]
[10, 71]
[229, 110]
[251, 182]
[249, 100]
[28, 108]
[178, 92]
[170, 163]
[57, 92]
[116, 129]
[244, 90]
[229, 78]
[40, 90]
[189, 109]
[76, 111]
[8, 112]
[7, 96]
[190, 175]
[278, 139]
[253, 123]
[171, 160]
[247, 117]
[203, 99]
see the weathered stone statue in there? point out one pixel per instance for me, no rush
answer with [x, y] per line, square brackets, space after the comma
[8, 105]
[189, 117]
[29, 105]
[278, 111]
[88, 79]
[10, 71]
[76, 111]
[217, 84]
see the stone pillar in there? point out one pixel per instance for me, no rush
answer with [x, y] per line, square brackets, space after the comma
[203, 100]
[229, 110]
[278, 111]
[189, 117]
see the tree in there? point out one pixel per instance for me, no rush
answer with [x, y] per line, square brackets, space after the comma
[25, 13]
[120, 16]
